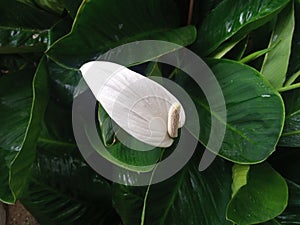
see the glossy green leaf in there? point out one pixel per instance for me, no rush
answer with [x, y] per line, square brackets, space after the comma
[54, 6]
[17, 14]
[276, 61]
[57, 131]
[64, 190]
[234, 19]
[106, 126]
[255, 112]
[291, 214]
[153, 69]
[120, 153]
[294, 65]
[239, 177]
[271, 222]
[286, 161]
[15, 62]
[257, 54]
[261, 199]
[72, 6]
[116, 25]
[63, 81]
[188, 198]
[291, 133]
[22, 108]
[18, 40]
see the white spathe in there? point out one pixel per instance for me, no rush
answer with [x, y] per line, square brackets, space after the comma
[136, 103]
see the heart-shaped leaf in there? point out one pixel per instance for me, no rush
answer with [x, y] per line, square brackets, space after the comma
[255, 112]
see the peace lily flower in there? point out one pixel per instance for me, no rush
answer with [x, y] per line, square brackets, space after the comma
[140, 106]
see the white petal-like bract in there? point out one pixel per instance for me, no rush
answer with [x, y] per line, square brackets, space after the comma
[139, 105]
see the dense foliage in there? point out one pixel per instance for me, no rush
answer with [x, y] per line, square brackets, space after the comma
[253, 48]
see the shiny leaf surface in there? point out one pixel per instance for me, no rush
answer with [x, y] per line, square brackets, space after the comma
[276, 61]
[17, 40]
[291, 132]
[234, 19]
[64, 190]
[22, 108]
[255, 112]
[188, 198]
[156, 20]
[261, 199]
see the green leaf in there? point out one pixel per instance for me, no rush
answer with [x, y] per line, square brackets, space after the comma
[53, 6]
[294, 65]
[188, 198]
[291, 214]
[234, 19]
[276, 61]
[57, 133]
[286, 161]
[106, 127]
[271, 222]
[72, 6]
[18, 40]
[63, 81]
[64, 190]
[121, 154]
[15, 62]
[291, 133]
[257, 54]
[17, 14]
[239, 177]
[153, 69]
[255, 112]
[157, 20]
[21, 110]
[261, 199]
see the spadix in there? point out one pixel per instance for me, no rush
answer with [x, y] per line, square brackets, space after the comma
[139, 105]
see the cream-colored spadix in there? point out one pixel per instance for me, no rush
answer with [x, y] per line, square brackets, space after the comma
[139, 105]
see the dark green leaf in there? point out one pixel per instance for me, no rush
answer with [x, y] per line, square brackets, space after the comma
[17, 14]
[271, 222]
[22, 108]
[72, 6]
[234, 19]
[188, 198]
[54, 6]
[106, 127]
[255, 112]
[291, 132]
[113, 23]
[294, 64]
[261, 199]
[63, 81]
[276, 61]
[291, 214]
[18, 40]
[16, 62]
[120, 153]
[64, 190]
